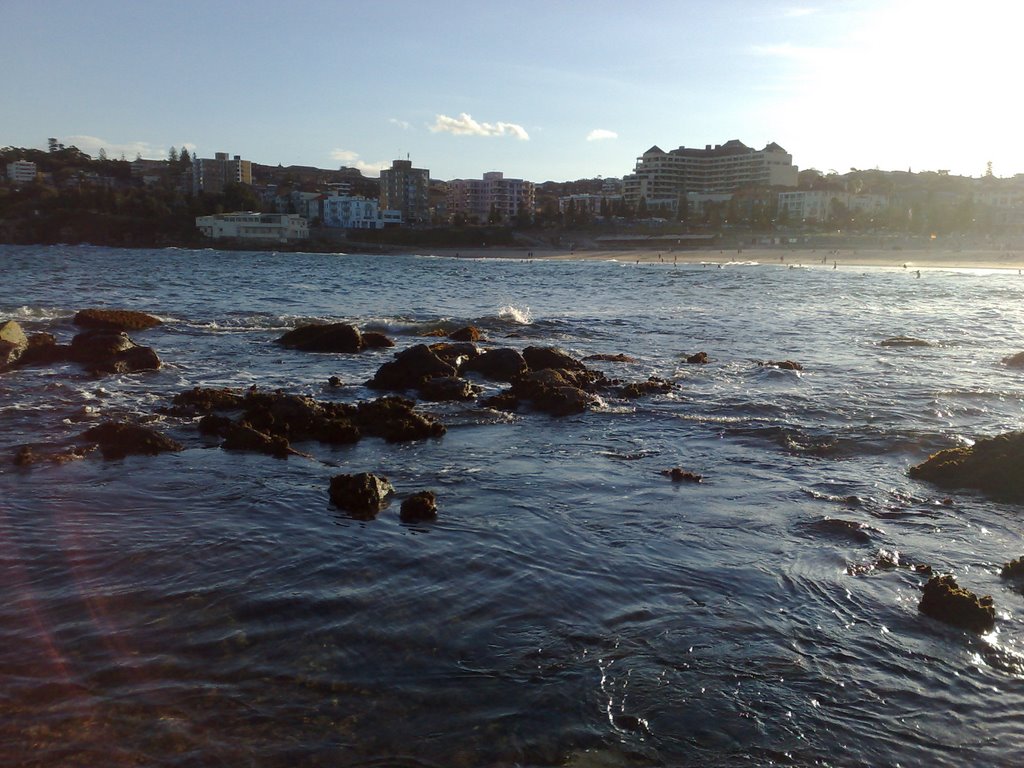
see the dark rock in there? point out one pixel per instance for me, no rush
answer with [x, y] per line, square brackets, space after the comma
[362, 495]
[498, 364]
[469, 333]
[436, 333]
[43, 349]
[13, 342]
[1013, 569]
[111, 352]
[456, 355]
[653, 386]
[1014, 361]
[944, 600]
[785, 365]
[327, 337]
[212, 424]
[116, 319]
[334, 381]
[699, 358]
[410, 368]
[903, 341]
[619, 358]
[206, 400]
[419, 507]
[117, 440]
[631, 723]
[394, 419]
[244, 437]
[680, 475]
[542, 358]
[503, 401]
[445, 388]
[375, 340]
[549, 390]
[992, 465]
[27, 455]
[296, 417]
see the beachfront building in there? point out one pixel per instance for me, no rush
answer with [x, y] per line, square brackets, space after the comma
[660, 177]
[814, 206]
[247, 225]
[493, 196]
[355, 212]
[210, 175]
[592, 204]
[21, 171]
[407, 190]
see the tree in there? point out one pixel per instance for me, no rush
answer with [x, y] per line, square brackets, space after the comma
[184, 158]
[52, 144]
[103, 155]
[172, 155]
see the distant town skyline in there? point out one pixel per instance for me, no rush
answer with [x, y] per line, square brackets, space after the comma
[540, 91]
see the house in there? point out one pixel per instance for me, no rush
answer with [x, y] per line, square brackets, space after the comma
[247, 225]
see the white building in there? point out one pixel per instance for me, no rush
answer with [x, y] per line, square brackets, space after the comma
[247, 225]
[353, 212]
[21, 171]
[505, 198]
[819, 205]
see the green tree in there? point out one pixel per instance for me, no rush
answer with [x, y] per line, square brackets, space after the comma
[172, 155]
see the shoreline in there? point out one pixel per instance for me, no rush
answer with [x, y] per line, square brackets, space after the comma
[911, 259]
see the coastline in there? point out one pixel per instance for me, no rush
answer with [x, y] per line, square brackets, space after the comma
[912, 259]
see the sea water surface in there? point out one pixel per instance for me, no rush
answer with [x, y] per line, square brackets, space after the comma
[570, 605]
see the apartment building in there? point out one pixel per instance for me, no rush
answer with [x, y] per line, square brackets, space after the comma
[21, 171]
[661, 176]
[210, 175]
[478, 198]
[407, 190]
[247, 225]
[819, 205]
[354, 212]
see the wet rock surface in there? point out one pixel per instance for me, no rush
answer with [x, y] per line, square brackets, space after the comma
[1014, 361]
[783, 365]
[419, 507]
[698, 358]
[13, 342]
[903, 341]
[117, 440]
[329, 337]
[680, 475]
[108, 351]
[992, 465]
[410, 368]
[502, 364]
[116, 319]
[469, 333]
[948, 602]
[653, 386]
[362, 495]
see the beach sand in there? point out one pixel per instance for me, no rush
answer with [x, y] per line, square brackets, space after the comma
[912, 259]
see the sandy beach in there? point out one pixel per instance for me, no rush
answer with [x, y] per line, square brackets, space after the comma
[911, 259]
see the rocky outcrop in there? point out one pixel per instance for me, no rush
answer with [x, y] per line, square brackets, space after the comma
[103, 351]
[1013, 569]
[457, 355]
[1014, 361]
[410, 368]
[43, 349]
[946, 601]
[331, 337]
[447, 388]
[362, 495]
[498, 364]
[419, 507]
[469, 333]
[116, 319]
[552, 391]
[653, 386]
[376, 340]
[395, 420]
[117, 440]
[608, 358]
[245, 437]
[13, 342]
[992, 465]
[541, 358]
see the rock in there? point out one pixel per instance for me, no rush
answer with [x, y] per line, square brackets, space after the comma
[43, 349]
[680, 475]
[652, 386]
[327, 337]
[212, 424]
[1014, 361]
[456, 355]
[498, 364]
[117, 440]
[619, 358]
[410, 368]
[903, 341]
[207, 400]
[108, 351]
[445, 388]
[785, 365]
[944, 600]
[419, 507]
[27, 455]
[244, 437]
[13, 342]
[394, 419]
[334, 381]
[362, 495]
[296, 417]
[541, 358]
[1013, 569]
[503, 401]
[550, 391]
[376, 340]
[992, 465]
[116, 319]
[699, 358]
[469, 333]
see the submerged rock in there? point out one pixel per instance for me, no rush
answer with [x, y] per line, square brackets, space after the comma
[653, 386]
[785, 365]
[946, 601]
[617, 358]
[992, 465]
[27, 455]
[698, 358]
[362, 495]
[680, 475]
[419, 507]
[469, 333]
[1014, 361]
[117, 440]
[116, 319]
[904, 341]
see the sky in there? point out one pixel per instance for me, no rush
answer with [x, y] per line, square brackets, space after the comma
[538, 89]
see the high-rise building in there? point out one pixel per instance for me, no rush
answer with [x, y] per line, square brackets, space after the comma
[211, 175]
[407, 190]
[21, 171]
[661, 175]
[493, 194]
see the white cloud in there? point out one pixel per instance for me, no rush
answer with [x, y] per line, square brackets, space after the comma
[400, 123]
[796, 12]
[464, 125]
[92, 145]
[351, 160]
[601, 134]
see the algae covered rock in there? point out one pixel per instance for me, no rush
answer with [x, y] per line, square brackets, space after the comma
[946, 601]
[992, 465]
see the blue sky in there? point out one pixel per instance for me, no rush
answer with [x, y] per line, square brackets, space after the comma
[540, 90]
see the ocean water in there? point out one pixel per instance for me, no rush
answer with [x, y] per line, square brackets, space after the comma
[570, 605]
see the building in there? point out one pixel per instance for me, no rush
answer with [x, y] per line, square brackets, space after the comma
[211, 175]
[354, 212]
[493, 196]
[21, 171]
[820, 205]
[407, 190]
[247, 225]
[662, 176]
